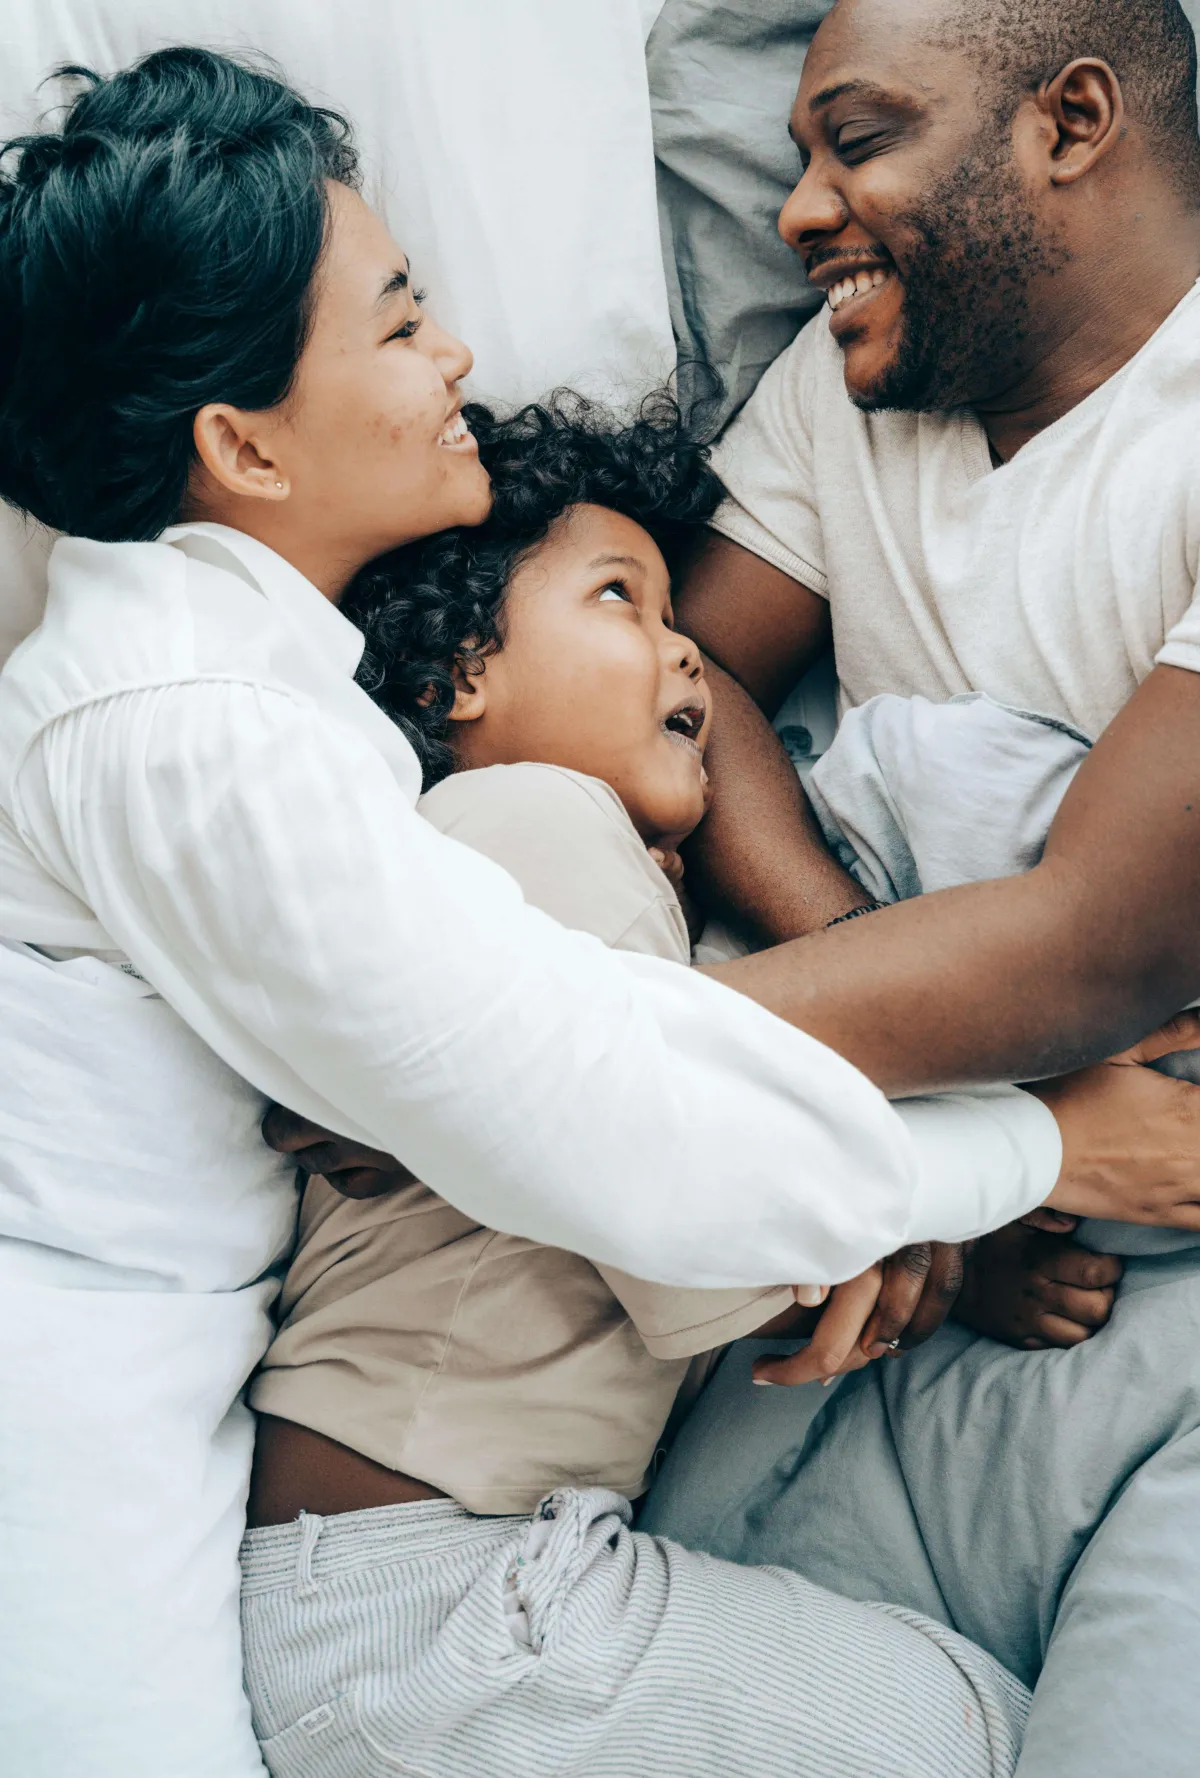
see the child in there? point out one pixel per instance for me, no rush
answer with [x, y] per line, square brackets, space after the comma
[473, 1411]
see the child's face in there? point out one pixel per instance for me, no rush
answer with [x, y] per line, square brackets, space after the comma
[593, 677]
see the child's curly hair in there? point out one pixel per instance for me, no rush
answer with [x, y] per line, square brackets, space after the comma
[439, 603]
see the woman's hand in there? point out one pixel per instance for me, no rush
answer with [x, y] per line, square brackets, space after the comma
[1131, 1136]
[888, 1309]
[354, 1171]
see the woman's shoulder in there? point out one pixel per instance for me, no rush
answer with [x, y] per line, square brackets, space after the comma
[571, 846]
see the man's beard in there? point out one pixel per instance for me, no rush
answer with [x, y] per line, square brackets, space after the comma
[965, 319]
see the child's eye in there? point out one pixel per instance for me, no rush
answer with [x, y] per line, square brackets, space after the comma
[614, 590]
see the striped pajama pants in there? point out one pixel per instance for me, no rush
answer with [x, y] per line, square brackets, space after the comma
[421, 1640]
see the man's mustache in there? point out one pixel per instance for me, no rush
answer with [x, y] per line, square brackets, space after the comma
[874, 254]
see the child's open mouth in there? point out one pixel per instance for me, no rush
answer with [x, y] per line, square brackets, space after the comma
[685, 725]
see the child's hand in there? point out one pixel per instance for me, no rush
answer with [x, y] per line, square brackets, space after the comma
[671, 866]
[1033, 1289]
[352, 1170]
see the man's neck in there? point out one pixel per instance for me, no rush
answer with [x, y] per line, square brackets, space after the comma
[1111, 319]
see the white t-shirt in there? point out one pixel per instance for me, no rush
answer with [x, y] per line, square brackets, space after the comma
[1054, 582]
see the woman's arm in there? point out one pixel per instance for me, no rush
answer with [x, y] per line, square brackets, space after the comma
[261, 866]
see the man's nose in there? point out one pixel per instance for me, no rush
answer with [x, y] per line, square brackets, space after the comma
[814, 210]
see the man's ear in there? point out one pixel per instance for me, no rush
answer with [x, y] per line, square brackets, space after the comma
[470, 689]
[233, 448]
[1085, 107]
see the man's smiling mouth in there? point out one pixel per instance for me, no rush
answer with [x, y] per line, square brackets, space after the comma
[859, 284]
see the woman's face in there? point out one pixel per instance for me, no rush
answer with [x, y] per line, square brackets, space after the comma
[593, 676]
[369, 450]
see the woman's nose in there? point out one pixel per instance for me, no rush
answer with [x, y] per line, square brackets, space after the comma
[453, 358]
[814, 209]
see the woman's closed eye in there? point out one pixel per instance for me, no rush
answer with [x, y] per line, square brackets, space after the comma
[408, 328]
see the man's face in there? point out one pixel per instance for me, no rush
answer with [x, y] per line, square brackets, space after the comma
[912, 214]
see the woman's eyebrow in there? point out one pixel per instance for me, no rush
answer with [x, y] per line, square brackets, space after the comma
[397, 281]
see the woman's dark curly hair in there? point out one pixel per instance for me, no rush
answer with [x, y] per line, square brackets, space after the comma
[438, 604]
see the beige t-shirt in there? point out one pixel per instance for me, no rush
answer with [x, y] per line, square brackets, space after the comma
[1052, 583]
[481, 1363]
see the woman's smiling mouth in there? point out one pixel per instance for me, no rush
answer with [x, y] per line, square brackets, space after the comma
[456, 435]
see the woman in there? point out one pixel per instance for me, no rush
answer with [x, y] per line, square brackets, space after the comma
[216, 379]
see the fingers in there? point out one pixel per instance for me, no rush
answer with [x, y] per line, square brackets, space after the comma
[369, 1182]
[904, 1277]
[810, 1296]
[942, 1289]
[1180, 1033]
[1053, 1330]
[287, 1132]
[353, 1170]
[834, 1347]
[1073, 1265]
[669, 863]
[1088, 1309]
[1052, 1222]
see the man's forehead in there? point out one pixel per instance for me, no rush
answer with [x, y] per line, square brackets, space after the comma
[880, 50]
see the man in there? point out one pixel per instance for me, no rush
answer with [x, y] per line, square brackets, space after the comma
[977, 472]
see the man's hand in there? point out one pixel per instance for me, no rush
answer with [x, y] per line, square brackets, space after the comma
[354, 1171]
[1131, 1136]
[1033, 1288]
[890, 1308]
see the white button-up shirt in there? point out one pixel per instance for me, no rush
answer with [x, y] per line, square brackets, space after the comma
[190, 777]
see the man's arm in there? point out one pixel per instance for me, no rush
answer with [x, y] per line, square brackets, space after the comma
[1033, 975]
[759, 854]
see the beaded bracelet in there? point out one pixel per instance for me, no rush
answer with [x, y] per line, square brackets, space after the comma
[871, 907]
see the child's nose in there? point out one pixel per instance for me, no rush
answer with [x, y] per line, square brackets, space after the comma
[691, 661]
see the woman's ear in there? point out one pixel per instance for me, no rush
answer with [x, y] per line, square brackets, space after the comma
[470, 689]
[233, 449]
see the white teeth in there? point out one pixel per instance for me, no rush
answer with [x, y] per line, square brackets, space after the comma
[455, 432]
[859, 285]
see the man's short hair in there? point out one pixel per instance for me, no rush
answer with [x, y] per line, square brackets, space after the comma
[1149, 45]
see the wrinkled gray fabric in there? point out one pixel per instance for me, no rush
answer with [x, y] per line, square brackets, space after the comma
[1045, 1504]
[914, 796]
[723, 77]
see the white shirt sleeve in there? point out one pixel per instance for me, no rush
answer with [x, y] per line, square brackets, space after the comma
[261, 867]
[765, 458]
